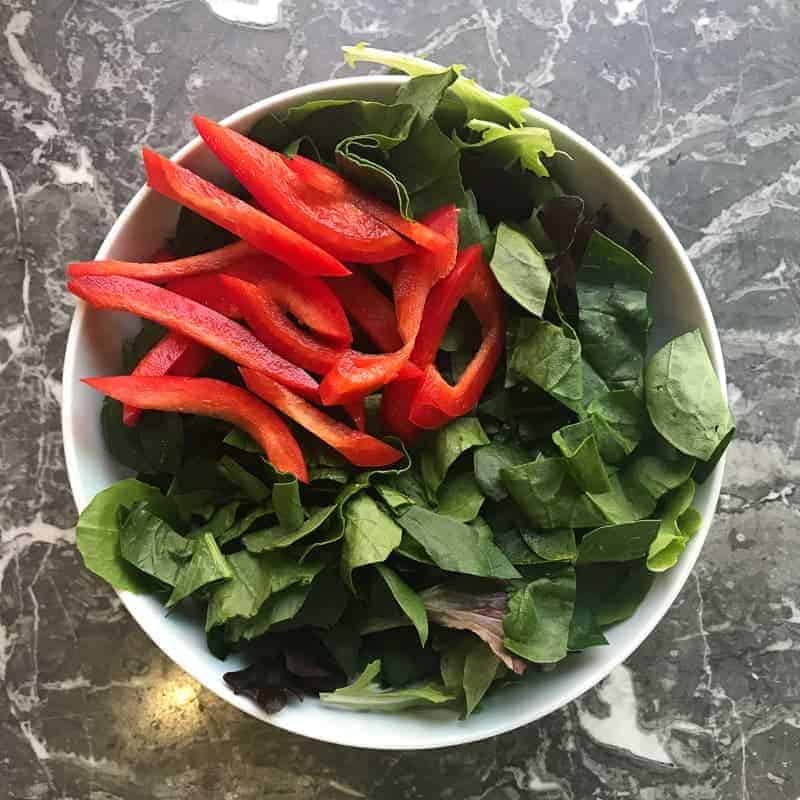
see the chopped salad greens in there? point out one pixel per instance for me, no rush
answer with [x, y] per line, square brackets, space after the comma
[394, 425]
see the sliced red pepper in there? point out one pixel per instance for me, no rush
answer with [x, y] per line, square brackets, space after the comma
[357, 411]
[245, 221]
[212, 398]
[359, 448]
[339, 226]
[418, 272]
[369, 308]
[331, 183]
[194, 320]
[435, 397]
[263, 308]
[442, 301]
[175, 354]
[164, 270]
[387, 271]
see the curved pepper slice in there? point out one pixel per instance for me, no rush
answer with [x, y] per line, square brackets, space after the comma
[359, 448]
[442, 301]
[339, 226]
[262, 306]
[166, 269]
[331, 183]
[369, 308]
[386, 271]
[245, 221]
[357, 411]
[194, 320]
[418, 272]
[212, 398]
[175, 354]
[435, 397]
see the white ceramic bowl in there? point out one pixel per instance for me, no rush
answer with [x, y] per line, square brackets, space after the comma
[93, 348]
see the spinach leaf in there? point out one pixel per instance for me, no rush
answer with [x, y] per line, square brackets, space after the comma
[490, 460]
[583, 630]
[137, 347]
[151, 545]
[552, 545]
[684, 398]
[539, 616]
[446, 445]
[520, 269]
[455, 547]
[616, 590]
[468, 670]
[207, 565]
[154, 445]
[620, 422]
[366, 694]
[614, 318]
[408, 600]
[286, 499]
[460, 497]
[550, 357]
[627, 541]
[97, 534]
[242, 595]
[678, 524]
[578, 446]
[195, 234]
[472, 225]
[370, 535]
[277, 537]
[252, 486]
[277, 608]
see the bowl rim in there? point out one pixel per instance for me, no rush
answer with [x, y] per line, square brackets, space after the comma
[450, 736]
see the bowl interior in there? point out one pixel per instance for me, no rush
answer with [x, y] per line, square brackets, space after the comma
[94, 349]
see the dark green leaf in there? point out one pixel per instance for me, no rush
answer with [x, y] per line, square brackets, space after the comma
[460, 497]
[408, 600]
[627, 541]
[505, 147]
[468, 670]
[620, 422]
[583, 630]
[286, 500]
[208, 565]
[446, 445]
[684, 398]
[277, 537]
[455, 547]
[252, 486]
[539, 615]
[678, 524]
[578, 445]
[97, 534]
[520, 269]
[490, 460]
[195, 234]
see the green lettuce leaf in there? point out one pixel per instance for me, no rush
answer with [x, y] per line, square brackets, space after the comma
[504, 147]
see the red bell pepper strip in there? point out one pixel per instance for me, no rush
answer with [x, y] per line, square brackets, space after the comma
[262, 307]
[359, 448]
[194, 320]
[357, 412]
[419, 271]
[212, 398]
[166, 269]
[245, 221]
[443, 299]
[331, 183]
[369, 308]
[338, 226]
[175, 354]
[386, 271]
[435, 397]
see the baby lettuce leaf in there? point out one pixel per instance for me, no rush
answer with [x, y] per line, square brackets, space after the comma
[627, 541]
[468, 670]
[620, 422]
[578, 445]
[520, 269]
[684, 398]
[550, 357]
[97, 534]
[278, 537]
[366, 694]
[475, 101]
[409, 601]
[446, 445]
[678, 524]
[152, 546]
[504, 147]
[460, 497]
[370, 535]
[207, 565]
[490, 460]
[454, 546]
[425, 92]
[614, 318]
[539, 615]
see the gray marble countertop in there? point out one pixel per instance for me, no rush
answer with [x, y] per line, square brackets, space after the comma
[698, 100]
